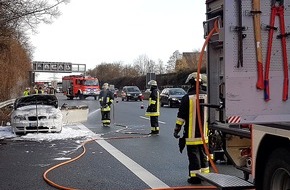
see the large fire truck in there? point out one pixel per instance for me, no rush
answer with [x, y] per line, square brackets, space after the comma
[248, 103]
[80, 86]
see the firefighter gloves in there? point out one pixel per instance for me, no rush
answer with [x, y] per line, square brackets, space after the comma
[176, 131]
[175, 134]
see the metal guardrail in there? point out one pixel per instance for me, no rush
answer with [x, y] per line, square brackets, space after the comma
[7, 103]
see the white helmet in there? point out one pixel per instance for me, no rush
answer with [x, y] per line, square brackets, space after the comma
[105, 86]
[152, 83]
[192, 78]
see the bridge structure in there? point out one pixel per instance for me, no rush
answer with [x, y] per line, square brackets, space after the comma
[55, 67]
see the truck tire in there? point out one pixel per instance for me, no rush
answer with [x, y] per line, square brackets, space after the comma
[277, 171]
[81, 96]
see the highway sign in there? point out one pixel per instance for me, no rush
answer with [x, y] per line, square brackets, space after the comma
[57, 67]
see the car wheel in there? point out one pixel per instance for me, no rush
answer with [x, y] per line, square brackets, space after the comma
[161, 104]
[19, 133]
[277, 172]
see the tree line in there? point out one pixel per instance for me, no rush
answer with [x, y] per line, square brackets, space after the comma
[121, 74]
[17, 18]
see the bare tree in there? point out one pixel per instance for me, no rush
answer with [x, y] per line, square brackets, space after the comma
[20, 15]
[16, 17]
[170, 67]
[141, 63]
[130, 71]
[160, 67]
[152, 67]
[111, 71]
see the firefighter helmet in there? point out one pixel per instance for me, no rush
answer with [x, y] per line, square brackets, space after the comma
[105, 86]
[191, 79]
[152, 83]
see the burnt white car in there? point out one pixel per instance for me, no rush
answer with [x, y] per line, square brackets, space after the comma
[36, 113]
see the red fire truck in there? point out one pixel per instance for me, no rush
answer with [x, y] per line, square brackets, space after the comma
[80, 86]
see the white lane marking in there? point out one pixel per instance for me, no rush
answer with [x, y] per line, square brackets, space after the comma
[162, 122]
[151, 180]
[84, 128]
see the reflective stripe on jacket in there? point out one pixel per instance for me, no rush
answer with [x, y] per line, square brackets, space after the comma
[187, 116]
[194, 135]
[26, 93]
[153, 104]
[106, 98]
[106, 108]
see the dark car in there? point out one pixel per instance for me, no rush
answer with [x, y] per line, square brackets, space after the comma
[114, 91]
[171, 96]
[131, 93]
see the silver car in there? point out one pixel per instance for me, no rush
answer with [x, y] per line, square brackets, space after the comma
[36, 113]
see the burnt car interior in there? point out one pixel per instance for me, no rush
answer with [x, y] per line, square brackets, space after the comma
[133, 89]
[36, 99]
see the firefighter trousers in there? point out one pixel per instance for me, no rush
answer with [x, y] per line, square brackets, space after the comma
[198, 160]
[106, 117]
[154, 124]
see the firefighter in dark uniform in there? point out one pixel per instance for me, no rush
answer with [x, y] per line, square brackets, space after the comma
[40, 90]
[106, 98]
[153, 110]
[187, 117]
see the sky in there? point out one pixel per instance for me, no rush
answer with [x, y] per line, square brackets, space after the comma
[92, 31]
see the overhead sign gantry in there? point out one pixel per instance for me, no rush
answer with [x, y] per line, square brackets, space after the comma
[57, 67]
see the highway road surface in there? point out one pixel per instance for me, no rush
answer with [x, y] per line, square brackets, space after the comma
[122, 156]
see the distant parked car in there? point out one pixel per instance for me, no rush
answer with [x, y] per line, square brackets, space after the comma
[171, 96]
[115, 92]
[36, 113]
[131, 93]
